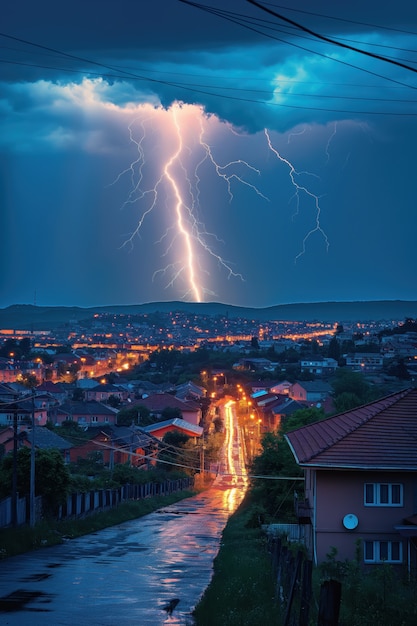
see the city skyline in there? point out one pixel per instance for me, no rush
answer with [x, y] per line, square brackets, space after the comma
[171, 151]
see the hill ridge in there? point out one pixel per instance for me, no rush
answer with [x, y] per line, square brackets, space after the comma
[35, 317]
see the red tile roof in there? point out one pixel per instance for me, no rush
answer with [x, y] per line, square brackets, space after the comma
[379, 435]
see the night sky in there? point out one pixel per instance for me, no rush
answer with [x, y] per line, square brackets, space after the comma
[157, 151]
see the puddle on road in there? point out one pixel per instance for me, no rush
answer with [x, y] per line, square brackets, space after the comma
[35, 578]
[19, 599]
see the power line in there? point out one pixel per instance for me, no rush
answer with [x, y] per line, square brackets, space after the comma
[330, 40]
[198, 90]
[341, 19]
[224, 15]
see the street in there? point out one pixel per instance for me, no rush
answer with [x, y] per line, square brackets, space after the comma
[126, 574]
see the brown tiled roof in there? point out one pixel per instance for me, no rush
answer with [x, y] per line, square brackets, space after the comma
[160, 401]
[379, 435]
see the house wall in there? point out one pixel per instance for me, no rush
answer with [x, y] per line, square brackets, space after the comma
[87, 420]
[338, 493]
[100, 444]
[297, 392]
[23, 417]
[194, 417]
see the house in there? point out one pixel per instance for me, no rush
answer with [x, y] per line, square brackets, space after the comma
[361, 481]
[6, 440]
[365, 361]
[84, 414]
[161, 428]
[282, 387]
[310, 391]
[318, 365]
[190, 391]
[284, 408]
[45, 439]
[24, 412]
[156, 403]
[7, 394]
[254, 364]
[55, 390]
[115, 444]
[102, 393]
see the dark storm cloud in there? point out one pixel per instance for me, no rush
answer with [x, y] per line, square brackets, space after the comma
[347, 119]
[245, 65]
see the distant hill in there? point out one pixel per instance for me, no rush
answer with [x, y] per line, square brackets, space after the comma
[30, 317]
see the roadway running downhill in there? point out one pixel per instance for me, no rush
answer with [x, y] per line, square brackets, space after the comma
[128, 573]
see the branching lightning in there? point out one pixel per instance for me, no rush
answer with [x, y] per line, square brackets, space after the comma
[175, 154]
[176, 190]
[301, 189]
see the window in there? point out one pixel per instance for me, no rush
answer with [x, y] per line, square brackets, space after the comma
[383, 494]
[94, 418]
[383, 552]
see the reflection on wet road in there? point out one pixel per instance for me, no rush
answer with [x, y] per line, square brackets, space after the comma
[126, 574]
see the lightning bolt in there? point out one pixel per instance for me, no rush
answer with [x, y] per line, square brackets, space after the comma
[300, 189]
[176, 191]
[329, 141]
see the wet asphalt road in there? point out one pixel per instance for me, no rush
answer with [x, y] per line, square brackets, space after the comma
[126, 574]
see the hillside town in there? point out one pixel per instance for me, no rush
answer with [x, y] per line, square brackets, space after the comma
[89, 373]
[113, 395]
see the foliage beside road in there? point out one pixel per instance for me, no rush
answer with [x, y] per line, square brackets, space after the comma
[242, 587]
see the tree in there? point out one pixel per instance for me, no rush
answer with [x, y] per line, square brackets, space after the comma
[346, 401]
[52, 478]
[25, 347]
[128, 416]
[78, 394]
[334, 349]
[175, 438]
[254, 343]
[346, 381]
[178, 451]
[29, 381]
[170, 412]
[276, 459]
[139, 415]
[399, 369]
[165, 359]
[114, 401]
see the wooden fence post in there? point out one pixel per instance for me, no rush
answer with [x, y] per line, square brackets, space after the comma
[329, 606]
[306, 588]
[296, 565]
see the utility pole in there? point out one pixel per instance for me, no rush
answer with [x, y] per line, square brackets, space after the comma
[202, 460]
[14, 467]
[32, 467]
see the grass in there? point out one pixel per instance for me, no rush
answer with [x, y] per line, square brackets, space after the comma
[15, 541]
[241, 592]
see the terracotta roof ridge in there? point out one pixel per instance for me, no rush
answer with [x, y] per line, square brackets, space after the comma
[337, 427]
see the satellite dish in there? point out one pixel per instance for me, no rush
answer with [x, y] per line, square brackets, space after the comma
[350, 521]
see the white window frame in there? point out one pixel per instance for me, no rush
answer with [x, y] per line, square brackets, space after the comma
[376, 552]
[378, 500]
